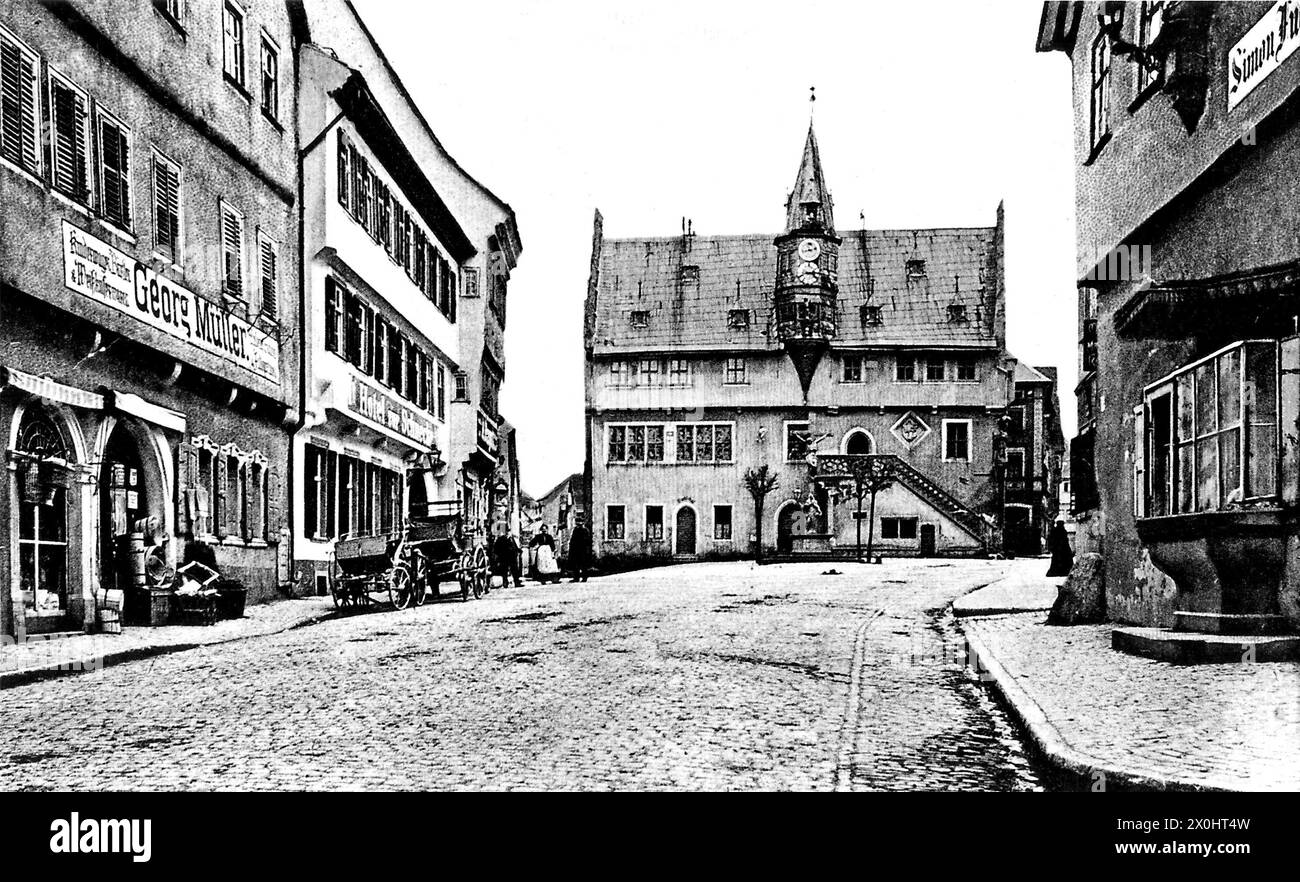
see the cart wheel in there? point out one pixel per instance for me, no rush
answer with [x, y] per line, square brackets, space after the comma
[334, 584]
[465, 575]
[400, 590]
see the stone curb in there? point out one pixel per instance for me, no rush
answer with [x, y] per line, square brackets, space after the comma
[1048, 739]
[69, 666]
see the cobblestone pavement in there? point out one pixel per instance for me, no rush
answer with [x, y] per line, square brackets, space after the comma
[708, 676]
[1230, 726]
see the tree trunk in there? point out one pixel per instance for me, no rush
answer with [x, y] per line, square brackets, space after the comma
[758, 530]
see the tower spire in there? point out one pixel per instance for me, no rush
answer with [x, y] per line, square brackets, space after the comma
[809, 206]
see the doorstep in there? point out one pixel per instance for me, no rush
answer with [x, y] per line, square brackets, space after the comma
[1189, 648]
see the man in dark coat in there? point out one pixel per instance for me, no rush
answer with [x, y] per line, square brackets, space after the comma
[1058, 543]
[505, 559]
[579, 551]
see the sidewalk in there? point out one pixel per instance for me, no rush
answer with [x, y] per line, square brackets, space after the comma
[1122, 721]
[39, 657]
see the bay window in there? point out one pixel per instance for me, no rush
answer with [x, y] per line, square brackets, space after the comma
[1206, 436]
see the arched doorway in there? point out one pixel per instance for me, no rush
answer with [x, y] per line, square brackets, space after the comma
[125, 494]
[785, 526]
[858, 442]
[43, 551]
[685, 535]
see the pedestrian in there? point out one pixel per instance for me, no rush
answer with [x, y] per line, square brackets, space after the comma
[579, 551]
[504, 555]
[516, 561]
[1058, 543]
[543, 540]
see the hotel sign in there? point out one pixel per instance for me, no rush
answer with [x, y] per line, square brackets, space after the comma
[384, 410]
[97, 270]
[1263, 49]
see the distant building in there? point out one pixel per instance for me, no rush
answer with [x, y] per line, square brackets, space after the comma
[1186, 470]
[560, 508]
[1035, 444]
[708, 356]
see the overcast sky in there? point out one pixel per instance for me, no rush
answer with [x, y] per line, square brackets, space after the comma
[927, 115]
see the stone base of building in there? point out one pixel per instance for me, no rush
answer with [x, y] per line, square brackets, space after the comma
[1227, 623]
[1184, 648]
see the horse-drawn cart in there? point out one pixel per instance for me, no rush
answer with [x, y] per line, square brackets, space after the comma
[406, 566]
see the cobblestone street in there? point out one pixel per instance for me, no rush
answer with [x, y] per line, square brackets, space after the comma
[709, 676]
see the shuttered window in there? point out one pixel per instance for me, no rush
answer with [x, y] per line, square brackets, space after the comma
[269, 272]
[115, 171]
[232, 252]
[19, 105]
[70, 139]
[166, 206]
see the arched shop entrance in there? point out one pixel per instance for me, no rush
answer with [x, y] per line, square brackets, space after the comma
[785, 526]
[130, 491]
[46, 496]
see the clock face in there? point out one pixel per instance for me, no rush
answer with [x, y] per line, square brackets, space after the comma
[810, 249]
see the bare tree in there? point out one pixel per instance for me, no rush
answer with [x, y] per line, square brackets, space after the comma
[760, 482]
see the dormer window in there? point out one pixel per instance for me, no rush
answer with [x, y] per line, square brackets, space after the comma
[738, 319]
[640, 318]
[957, 313]
[871, 316]
[915, 268]
[689, 275]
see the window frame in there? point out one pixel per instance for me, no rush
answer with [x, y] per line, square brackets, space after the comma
[911, 373]
[786, 426]
[233, 11]
[646, 536]
[273, 316]
[36, 96]
[124, 224]
[271, 48]
[853, 376]
[970, 431]
[609, 522]
[735, 371]
[158, 158]
[225, 207]
[730, 523]
[1100, 65]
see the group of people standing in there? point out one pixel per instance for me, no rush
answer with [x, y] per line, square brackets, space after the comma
[507, 557]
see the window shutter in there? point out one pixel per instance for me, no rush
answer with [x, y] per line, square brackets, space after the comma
[232, 240]
[70, 142]
[270, 271]
[274, 506]
[116, 179]
[221, 514]
[1139, 460]
[166, 188]
[186, 474]
[18, 137]
[344, 177]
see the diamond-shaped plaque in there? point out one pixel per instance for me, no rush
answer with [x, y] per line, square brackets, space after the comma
[910, 429]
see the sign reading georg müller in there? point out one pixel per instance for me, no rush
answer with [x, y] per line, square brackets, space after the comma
[97, 270]
[378, 407]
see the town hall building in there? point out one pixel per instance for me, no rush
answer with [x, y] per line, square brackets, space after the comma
[708, 356]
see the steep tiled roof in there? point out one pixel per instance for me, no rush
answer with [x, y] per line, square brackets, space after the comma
[739, 272]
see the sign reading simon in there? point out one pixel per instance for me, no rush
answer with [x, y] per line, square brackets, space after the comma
[99, 271]
[367, 401]
[1263, 49]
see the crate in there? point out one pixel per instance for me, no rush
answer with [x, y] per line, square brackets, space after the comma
[160, 606]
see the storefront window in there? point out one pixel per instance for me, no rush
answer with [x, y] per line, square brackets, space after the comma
[42, 519]
[1206, 436]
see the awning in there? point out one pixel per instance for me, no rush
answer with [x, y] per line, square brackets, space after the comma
[134, 405]
[1172, 310]
[50, 390]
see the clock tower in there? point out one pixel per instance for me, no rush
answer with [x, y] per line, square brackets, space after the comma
[807, 265]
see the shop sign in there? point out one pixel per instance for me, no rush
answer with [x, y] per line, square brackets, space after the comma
[1263, 49]
[380, 408]
[97, 270]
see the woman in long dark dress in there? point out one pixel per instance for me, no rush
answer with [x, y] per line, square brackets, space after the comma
[1058, 543]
